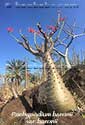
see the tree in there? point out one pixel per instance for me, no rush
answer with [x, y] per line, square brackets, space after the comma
[17, 69]
[16, 72]
[58, 97]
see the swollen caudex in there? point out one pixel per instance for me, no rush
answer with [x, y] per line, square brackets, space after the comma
[57, 96]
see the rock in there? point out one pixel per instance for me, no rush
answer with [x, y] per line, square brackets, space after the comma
[18, 105]
[27, 103]
[75, 80]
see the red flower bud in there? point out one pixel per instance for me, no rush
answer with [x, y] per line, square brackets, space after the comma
[31, 30]
[61, 19]
[53, 28]
[10, 29]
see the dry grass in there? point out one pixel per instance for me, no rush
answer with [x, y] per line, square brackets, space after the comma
[6, 93]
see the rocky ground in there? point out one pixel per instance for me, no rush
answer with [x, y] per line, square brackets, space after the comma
[75, 81]
[28, 103]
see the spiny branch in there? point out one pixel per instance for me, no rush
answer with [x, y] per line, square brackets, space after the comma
[25, 43]
[79, 35]
[44, 35]
[41, 30]
[60, 31]
[60, 53]
[35, 42]
[69, 42]
[53, 32]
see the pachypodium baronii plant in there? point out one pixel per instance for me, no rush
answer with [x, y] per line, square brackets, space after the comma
[58, 96]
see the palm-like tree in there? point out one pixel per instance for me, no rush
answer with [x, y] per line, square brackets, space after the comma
[16, 68]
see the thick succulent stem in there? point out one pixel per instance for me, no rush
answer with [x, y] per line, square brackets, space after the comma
[58, 96]
[44, 72]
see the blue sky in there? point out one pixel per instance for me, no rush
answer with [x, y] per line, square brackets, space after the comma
[23, 18]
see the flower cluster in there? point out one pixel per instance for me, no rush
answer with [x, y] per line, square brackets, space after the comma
[53, 28]
[31, 30]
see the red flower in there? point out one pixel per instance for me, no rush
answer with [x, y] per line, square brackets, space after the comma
[10, 29]
[61, 19]
[31, 30]
[53, 28]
